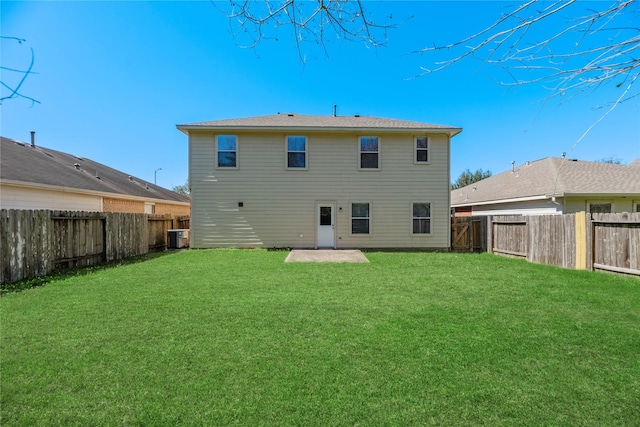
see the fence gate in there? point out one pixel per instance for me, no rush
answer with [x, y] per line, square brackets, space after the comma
[468, 234]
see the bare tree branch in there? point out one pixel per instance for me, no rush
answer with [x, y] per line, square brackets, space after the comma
[312, 22]
[605, 48]
[14, 89]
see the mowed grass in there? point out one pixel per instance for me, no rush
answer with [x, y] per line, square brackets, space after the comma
[227, 337]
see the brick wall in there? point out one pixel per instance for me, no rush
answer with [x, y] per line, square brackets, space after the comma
[175, 210]
[123, 206]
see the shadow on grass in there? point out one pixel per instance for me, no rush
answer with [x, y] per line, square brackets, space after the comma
[23, 285]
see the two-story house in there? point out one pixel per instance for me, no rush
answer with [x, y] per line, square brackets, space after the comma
[298, 181]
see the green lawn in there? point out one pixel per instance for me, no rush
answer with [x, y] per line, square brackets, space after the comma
[239, 337]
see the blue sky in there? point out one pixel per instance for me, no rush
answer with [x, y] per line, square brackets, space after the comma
[114, 78]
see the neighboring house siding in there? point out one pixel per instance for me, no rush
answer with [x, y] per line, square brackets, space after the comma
[280, 205]
[123, 205]
[533, 207]
[618, 204]
[18, 197]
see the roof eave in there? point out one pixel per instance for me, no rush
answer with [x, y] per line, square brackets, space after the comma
[600, 195]
[501, 201]
[450, 131]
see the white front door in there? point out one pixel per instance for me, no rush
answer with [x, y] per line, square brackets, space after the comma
[325, 220]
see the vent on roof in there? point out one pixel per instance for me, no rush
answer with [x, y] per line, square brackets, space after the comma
[290, 115]
[77, 166]
[130, 178]
[356, 115]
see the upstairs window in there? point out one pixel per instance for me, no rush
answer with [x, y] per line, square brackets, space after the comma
[360, 218]
[369, 152]
[422, 149]
[296, 152]
[421, 218]
[227, 151]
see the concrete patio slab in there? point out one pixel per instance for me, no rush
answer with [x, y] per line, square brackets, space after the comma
[325, 255]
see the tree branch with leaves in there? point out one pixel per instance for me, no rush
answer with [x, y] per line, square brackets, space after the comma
[467, 178]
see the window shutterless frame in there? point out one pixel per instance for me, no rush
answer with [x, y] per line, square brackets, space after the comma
[296, 149]
[421, 150]
[421, 219]
[368, 153]
[227, 152]
[361, 219]
[599, 206]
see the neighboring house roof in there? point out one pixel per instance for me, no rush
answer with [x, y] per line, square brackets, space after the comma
[23, 163]
[304, 122]
[549, 177]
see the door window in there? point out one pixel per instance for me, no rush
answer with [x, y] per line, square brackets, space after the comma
[325, 215]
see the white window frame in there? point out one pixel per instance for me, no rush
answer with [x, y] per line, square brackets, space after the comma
[217, 160]
[635, 206]
[360, 152]
[287, 151]
[416, 149]
[430, 217]
[599, 202]
[351, 233]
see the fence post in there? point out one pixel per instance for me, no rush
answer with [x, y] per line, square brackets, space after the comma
[490, 234]
[581, 240]
[590, 232]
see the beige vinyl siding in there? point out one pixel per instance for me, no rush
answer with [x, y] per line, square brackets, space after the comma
[279, 204]
[529, 207]
[14, 197]
[578, 204]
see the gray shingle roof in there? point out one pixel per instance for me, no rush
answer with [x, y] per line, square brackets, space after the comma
[552, 176]
[21, 162]
[299, 121]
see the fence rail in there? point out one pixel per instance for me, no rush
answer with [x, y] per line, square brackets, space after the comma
[36, 243]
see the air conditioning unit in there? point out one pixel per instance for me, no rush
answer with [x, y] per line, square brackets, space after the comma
[178, 239]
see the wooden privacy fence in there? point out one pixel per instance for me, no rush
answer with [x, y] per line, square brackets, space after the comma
[608, 242]
[613, 242]
[469, 234]
[544, 239]
[35, 243]
[182, 222]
